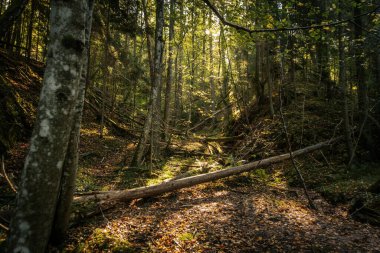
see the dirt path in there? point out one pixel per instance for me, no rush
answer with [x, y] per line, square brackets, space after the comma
[218, 218]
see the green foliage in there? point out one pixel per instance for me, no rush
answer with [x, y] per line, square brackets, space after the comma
[336, 183]
[187, 236]
[102, 240]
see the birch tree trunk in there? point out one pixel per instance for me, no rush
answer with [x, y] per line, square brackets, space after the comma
[31, 226]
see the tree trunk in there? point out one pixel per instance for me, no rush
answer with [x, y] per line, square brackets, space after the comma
[152, 123]
[270, 82]
[225, 78]
[259, 82]
[148, 41]
[191, 61]
[168, 92]
[343, 84]
[172, 185]
[212, 83]
[322, 51]
[32, 223]
[105, 72]
[29, 35]
[11, 14]
[178, 105]
[359, 62]
[70, 165]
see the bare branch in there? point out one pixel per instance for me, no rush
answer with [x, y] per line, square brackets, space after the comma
[250, 31]
[6, 176]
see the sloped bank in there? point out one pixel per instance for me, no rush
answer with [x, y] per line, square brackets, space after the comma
[20, 85]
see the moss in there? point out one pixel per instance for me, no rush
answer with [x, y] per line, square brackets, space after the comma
[103, 240]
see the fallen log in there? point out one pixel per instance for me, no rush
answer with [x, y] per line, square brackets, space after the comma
[219, 139]
[171, 185]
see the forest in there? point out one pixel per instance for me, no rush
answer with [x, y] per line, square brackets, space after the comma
[189, 126]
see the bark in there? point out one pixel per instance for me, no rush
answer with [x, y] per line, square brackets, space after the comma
[322, 51]
[191, 61]
[168, 186]
[211, 80]
[270, 82]
[29, 36]
[32, 223]
[105, 72]
[168, 92]
[152, 124]
[148, 41]
[259, 82]
[292, 56]
[70, 165]
[10, 15]
[179, 68]
[225, 78]
[359, 63]
[343, 84]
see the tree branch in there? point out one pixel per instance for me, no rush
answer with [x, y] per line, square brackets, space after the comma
[250, 31]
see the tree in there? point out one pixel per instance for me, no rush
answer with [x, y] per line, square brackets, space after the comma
[168, 91]
[152, 122]
[10, 15]
[49, 170]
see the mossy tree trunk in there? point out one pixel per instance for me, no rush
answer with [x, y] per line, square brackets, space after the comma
[41, 185]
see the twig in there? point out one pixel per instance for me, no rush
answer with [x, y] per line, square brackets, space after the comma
[6, 176]
[365, 205]
[357, 141]
[324, 157]
[3, 227]
[311, 204]
[374, 121]
[315, 160]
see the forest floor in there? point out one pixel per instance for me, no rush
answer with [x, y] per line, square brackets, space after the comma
[251, 212]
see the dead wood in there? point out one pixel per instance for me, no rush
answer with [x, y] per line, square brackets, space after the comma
[168, 186]
[219, 139]
[121, 129]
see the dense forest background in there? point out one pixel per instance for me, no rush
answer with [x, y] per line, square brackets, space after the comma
[177, 88]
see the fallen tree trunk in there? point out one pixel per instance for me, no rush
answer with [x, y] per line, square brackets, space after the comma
[219, 139]
[168, 186]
